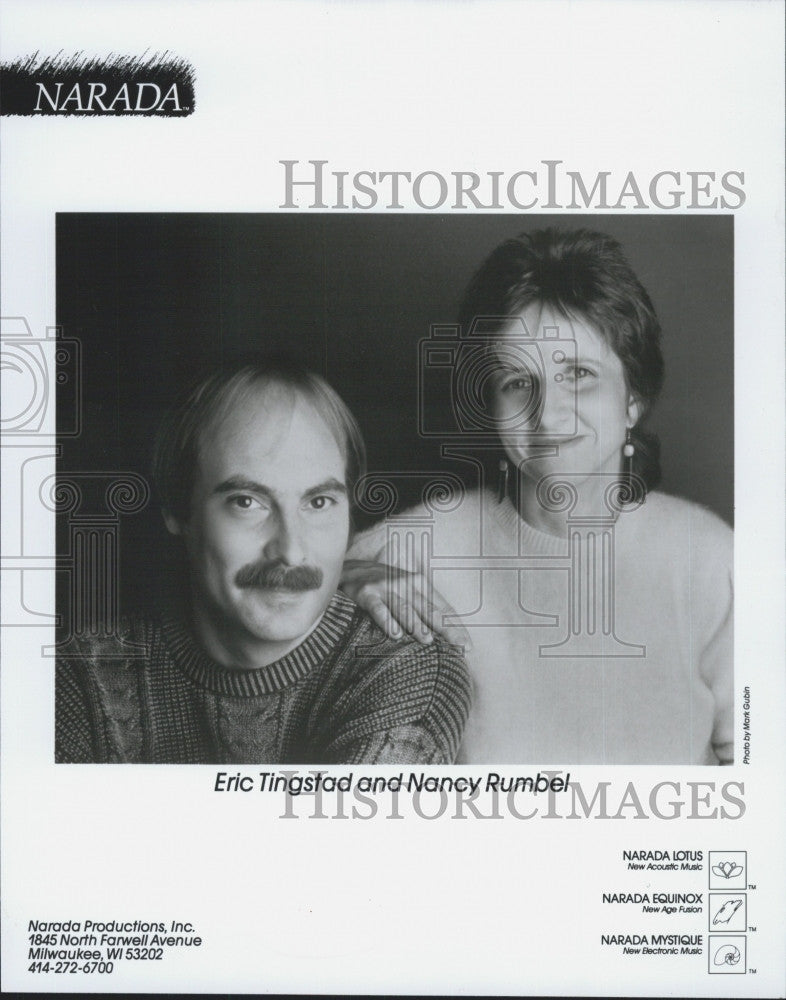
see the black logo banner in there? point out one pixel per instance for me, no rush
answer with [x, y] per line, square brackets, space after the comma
[159, 85]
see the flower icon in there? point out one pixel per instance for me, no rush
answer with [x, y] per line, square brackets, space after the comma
[727, 869]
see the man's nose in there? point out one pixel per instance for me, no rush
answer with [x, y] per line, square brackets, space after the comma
[284, 542]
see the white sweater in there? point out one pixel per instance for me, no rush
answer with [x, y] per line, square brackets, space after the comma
[665, 697]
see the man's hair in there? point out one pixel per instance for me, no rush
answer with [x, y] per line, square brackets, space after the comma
[584, 274]
[212, 398]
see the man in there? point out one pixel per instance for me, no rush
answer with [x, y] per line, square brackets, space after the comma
[264, 661]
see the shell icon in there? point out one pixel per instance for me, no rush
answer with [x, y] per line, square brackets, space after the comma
[727, 955]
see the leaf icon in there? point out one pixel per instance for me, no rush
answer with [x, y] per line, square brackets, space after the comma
[727, 911]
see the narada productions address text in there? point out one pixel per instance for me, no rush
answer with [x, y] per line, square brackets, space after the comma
[94, 946]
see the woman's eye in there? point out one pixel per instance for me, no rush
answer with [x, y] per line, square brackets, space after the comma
[521, 383]
[580, 372]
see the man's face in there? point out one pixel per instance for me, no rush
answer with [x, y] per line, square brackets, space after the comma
[570, 414]
[268, 528]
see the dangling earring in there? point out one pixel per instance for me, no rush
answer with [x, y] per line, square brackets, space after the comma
[628, 451]
[502, 488]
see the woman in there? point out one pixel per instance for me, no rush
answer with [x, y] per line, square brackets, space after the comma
[600, 617]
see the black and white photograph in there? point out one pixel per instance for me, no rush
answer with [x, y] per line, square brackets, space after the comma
[514, 574]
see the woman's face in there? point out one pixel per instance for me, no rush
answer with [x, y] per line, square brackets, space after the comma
[560, 397]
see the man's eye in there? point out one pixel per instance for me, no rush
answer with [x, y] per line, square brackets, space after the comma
[321, 502]
[243, 502]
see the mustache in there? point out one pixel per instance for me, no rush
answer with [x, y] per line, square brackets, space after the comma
[277, 576]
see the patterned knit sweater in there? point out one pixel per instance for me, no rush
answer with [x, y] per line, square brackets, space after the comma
[345, 695]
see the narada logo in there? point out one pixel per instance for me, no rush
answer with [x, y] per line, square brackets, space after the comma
[144, 97]
[118, 85]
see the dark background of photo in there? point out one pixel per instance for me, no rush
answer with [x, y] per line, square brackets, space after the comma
[156, 299]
